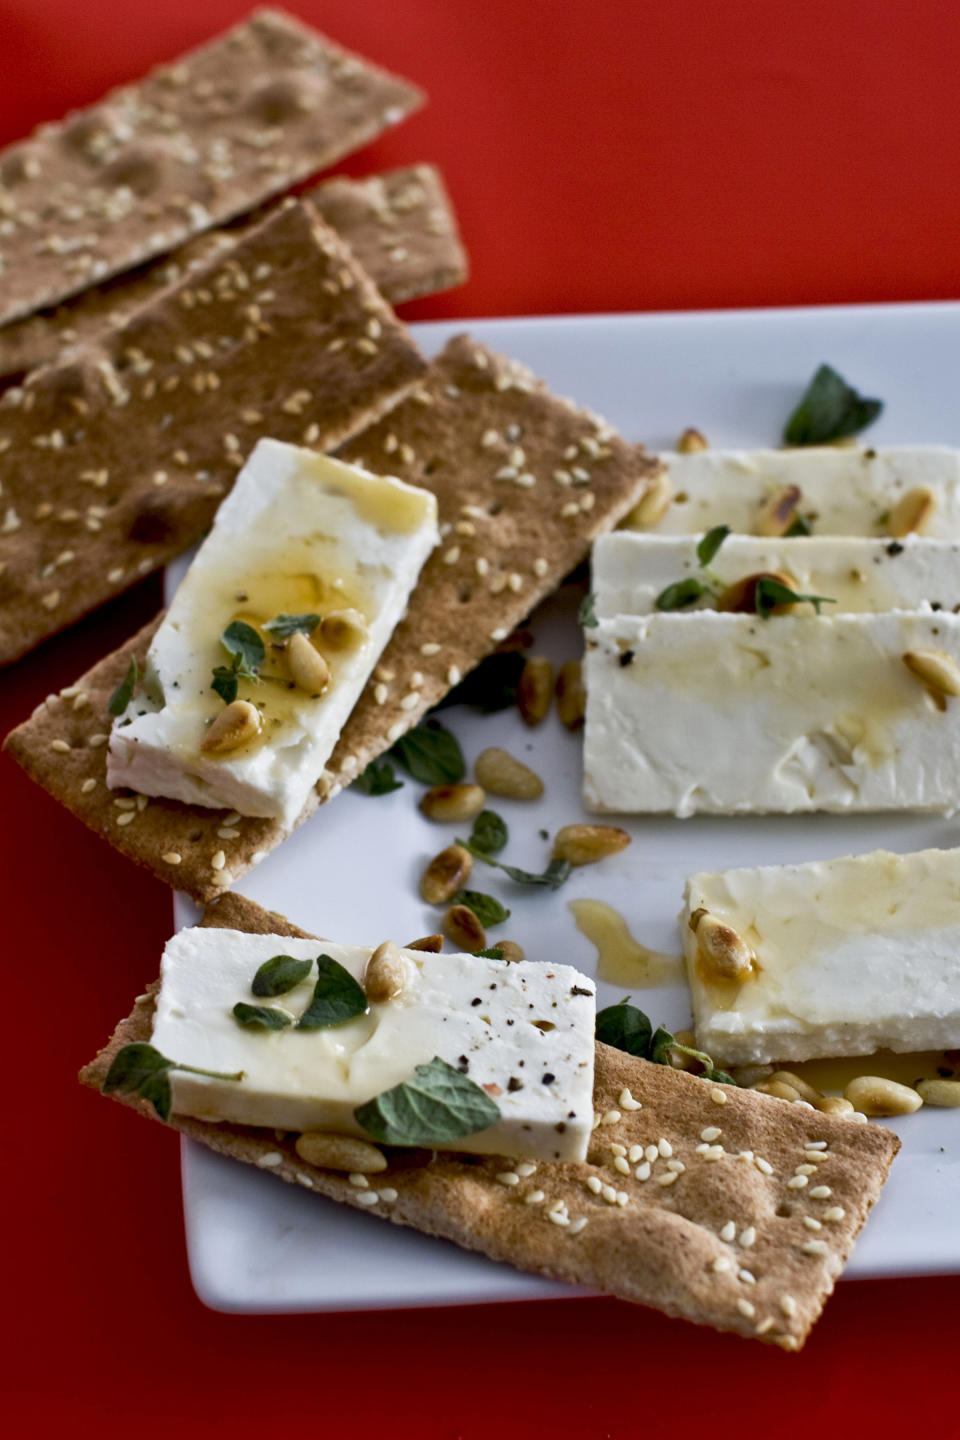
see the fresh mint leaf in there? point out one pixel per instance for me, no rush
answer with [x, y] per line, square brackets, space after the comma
[587, 613]
[278, 975]
[286, 625]
[260, 1017]
[625, 1028]
[769, 593]
[495, 952]
[800, 525]
[489, 833]
[439, 1105]
[225, 683]
[829, 409]
[140, 1069]
[244, 645]
[492, 686]
[124, 692]
[337, 997]
[487, 908]
[378, 779]
[711, 543]
[431, 754]
[681, 593]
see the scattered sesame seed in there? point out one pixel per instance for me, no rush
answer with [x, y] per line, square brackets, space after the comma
[360, 1181]
[634, 1154]
[712, 1132]
[609, 1194]
[811, 1223]
[797, 1182]
[594, 1184]
[610, 1117]
[718, 1097]
[526, 1168]
[367, 1197]
[452, 555]
[729, 1231]
[746, 1308]
[836, 1212]
[272, 1157]
[387, 1194]
[534, 1197]
[430, 648]
[748, 1236]
[815, 1247]
[764, 1325]
[676, 1165]
[621, 1165]
[577, 1225]
[664, 1147]
[559, 1217]
[616, 1149]
[226, 832]
[670, 1177]
[172, 857]
[489, 438]
[622, 1198]
[642, 1171]
[569, 510]
[453, 675]
[788, 1305]
[60, 746]
[508, 1177]
[380, 693]
[762, 1165]
[821, 1192]
[218, 860]
[651, 1153]
[87, 786]
[721, 1263]
[815, 1145]
[805, 1170]
[746, 1277]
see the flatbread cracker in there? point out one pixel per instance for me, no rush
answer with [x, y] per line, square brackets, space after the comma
[193, 144]
[116, 460]
[399, 225]
[655, 1241]
[507, 545]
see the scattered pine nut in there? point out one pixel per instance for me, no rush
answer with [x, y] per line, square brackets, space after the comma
[449, 803]
[571, 696]
[586, 844]
[535, 690]
[497, 771]
[447, 873]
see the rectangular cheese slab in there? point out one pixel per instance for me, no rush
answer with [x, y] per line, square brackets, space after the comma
[729, 714]
[483, 1016]
[851, 955]
[631, 569]
[845, 490]
[300, 533]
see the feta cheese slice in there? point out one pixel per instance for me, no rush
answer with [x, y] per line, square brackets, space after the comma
[524, 1031]
[847, 490]
[728, 714]
[300, 533]
[851, 955]
[631, 569]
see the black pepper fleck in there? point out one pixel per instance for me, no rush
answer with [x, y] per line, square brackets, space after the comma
[626, 658]
[548, 1077]
[561, 1127]
[514, 1083]
[579, 990]
[894, 548]
[477, 1001]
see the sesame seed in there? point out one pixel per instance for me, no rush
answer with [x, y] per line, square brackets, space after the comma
[746, 1277]
[815, 1247]
[594, 1184]
[380, 693]
[587, 502]
[664, 1147]
[526, 1169]
[642, 1172]
[563, 477]
[540, 567]
[126, 817]
[788, 1305]
[729, 1231]
[746, 1308]
[676, 1165]
[718, 1097]
[805, 1170]
[452, 555]
[227, 832]
[360, 1181]
[721, 1263]
[815, 1145]
[87, 786]
[762, 1165]
[669, 1178]
[609, 1194]
[535, 1197]
[410, 701]
[430, 648]
[367, 1197]
[610, 1117]
[821, 1192]
[764, 1326]
[51, 600]
[482, 566]
[124, 803]
[272, 1157]
[489, 438]
[651, 1153]
[172, 857]
[836, 1212]
[634, 1153]
[712, 1132]
[453, 675]
[387, 1194]
[797, 1182]
[616, 1149]
[621, 1165]
[115, 574]
[577, 1225]
[748, 1236]
[218, 860]
[559, 1217]
[622, 1198]
[508, 1177]
[811, 1223]
[60, 746]
[568, 511]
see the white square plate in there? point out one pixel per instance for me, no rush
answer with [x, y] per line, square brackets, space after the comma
[351, 873]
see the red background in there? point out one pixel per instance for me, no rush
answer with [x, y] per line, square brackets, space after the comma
[603, 156]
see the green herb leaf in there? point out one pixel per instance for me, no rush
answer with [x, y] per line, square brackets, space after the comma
[553, 877]
[489, 834]
[261, 1017]
[625, 1028]
[800, 525]
[587, 613]
[438, 1105]
[661, 1043]
[495, 952]
[431, 754]
[711, 543]
[140, 1069]
[769, 592]
[492, 686]
[829, 409]
[377, 779]
[278, 975]
[487, 908]
[287, 625]
[336, 997]
[225, 683]
[123, 694]
[681, 593]
[243, 643]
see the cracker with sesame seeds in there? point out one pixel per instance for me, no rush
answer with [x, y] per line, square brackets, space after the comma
[723, 1242]
[115, 460]
[440, 438]
[189, 146]
[399, 225]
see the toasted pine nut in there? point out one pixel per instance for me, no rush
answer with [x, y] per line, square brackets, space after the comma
[433, 943]
[939, 1092]
[343, 630]
[497, 771]
[447, 803]
[571, 696]
[447, 873]
[691, 441]
[305, 665]
[778, 1088]
[875, 1095]
[462, 927]
[777, 513]
[747, 1075]
[804, 1089]
[340, 1152]
[937, 670]
[233, 727]
[833, 1105]
[585, 844]
[724, 952]
[912, 512]
[740, 597]
[386, 974]
[655, 501]
[535, 689]
[510, 951]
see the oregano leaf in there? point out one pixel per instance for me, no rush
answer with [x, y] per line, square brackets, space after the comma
[438, 1105]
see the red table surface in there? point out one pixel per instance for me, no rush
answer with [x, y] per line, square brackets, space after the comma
[602, 156]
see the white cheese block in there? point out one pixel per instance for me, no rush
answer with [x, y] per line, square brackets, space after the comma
[631, 569]
[845, 490]
[483, 1016]
[727, 714]
[299, 533]
[851, 955]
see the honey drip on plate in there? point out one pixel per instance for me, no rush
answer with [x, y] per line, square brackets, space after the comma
[622, 960]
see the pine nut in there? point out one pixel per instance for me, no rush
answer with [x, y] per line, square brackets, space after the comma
[305, 665]
[804, 1089]
[447, 873]
[510, 951]
[655, 501]
[535, 690]
[833, 1105]
[722, 950]
[939, 1092]
[340, 1152]
[571, 696]
[431, 943]
[462, 927]
[386, 974]
[912, 512]
[234, 726]
[740, 598]
[691, 442]
[875, 1095]
[497, 771]
[937, 670]
[343, 630]
[747, 1075]
[448, 803]
[778, 1088]
[586, 844]
[777, 513]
